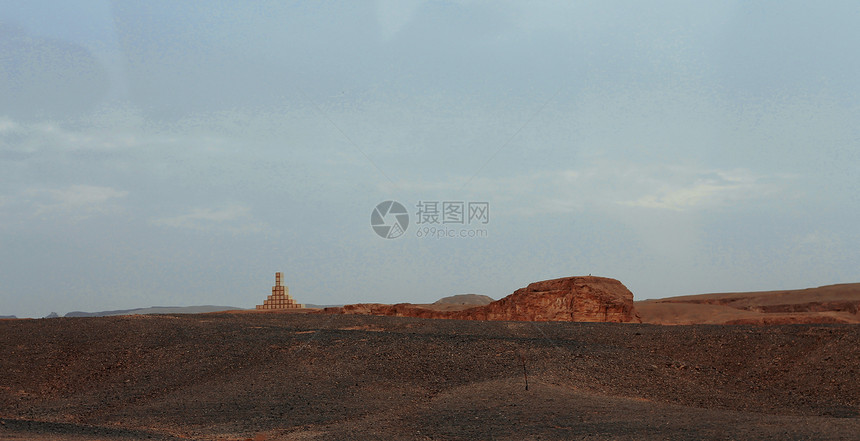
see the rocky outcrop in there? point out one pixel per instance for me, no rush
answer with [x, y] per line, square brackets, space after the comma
[398, 310]
[569, 299]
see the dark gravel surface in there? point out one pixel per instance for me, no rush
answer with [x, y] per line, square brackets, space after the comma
[306, 376]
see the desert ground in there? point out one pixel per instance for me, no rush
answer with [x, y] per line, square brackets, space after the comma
[288, 376]
[824, 304]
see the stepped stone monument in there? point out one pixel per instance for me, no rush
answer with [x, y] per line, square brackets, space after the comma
[280, 298]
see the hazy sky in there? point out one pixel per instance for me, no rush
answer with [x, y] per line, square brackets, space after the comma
[179, 153]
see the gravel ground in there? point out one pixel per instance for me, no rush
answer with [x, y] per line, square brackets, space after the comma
[306, 376]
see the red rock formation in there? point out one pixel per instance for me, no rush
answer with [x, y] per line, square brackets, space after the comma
[569, 299]
[398, 310]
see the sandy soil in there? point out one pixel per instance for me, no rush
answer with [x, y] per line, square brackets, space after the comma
[283, 376]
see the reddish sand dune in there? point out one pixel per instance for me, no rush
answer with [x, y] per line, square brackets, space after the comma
[826, 304]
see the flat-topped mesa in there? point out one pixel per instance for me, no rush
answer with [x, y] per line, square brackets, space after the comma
[280, 298]
[568, 299]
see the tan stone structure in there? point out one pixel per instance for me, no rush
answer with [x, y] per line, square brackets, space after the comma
[280, 298]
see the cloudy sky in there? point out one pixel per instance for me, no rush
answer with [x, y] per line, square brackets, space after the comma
[179, 153]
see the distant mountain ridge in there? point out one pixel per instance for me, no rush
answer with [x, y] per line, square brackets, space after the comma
[155, 310]
[838, 303]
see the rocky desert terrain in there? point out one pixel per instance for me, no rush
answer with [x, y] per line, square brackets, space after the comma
[289, 376]
[824, 304]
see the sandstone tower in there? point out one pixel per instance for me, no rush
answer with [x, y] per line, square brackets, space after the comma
[280, 298]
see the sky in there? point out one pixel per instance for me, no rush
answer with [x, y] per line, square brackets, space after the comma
[180, 153]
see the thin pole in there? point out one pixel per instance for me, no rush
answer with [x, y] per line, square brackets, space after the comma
[525, 372]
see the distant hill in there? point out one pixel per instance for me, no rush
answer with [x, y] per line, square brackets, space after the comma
[465, 299]
[7, 317]
[825, 304]
[155, 310]
[315, 306]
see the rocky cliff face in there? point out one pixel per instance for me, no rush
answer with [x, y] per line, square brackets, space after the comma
[569, 299]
